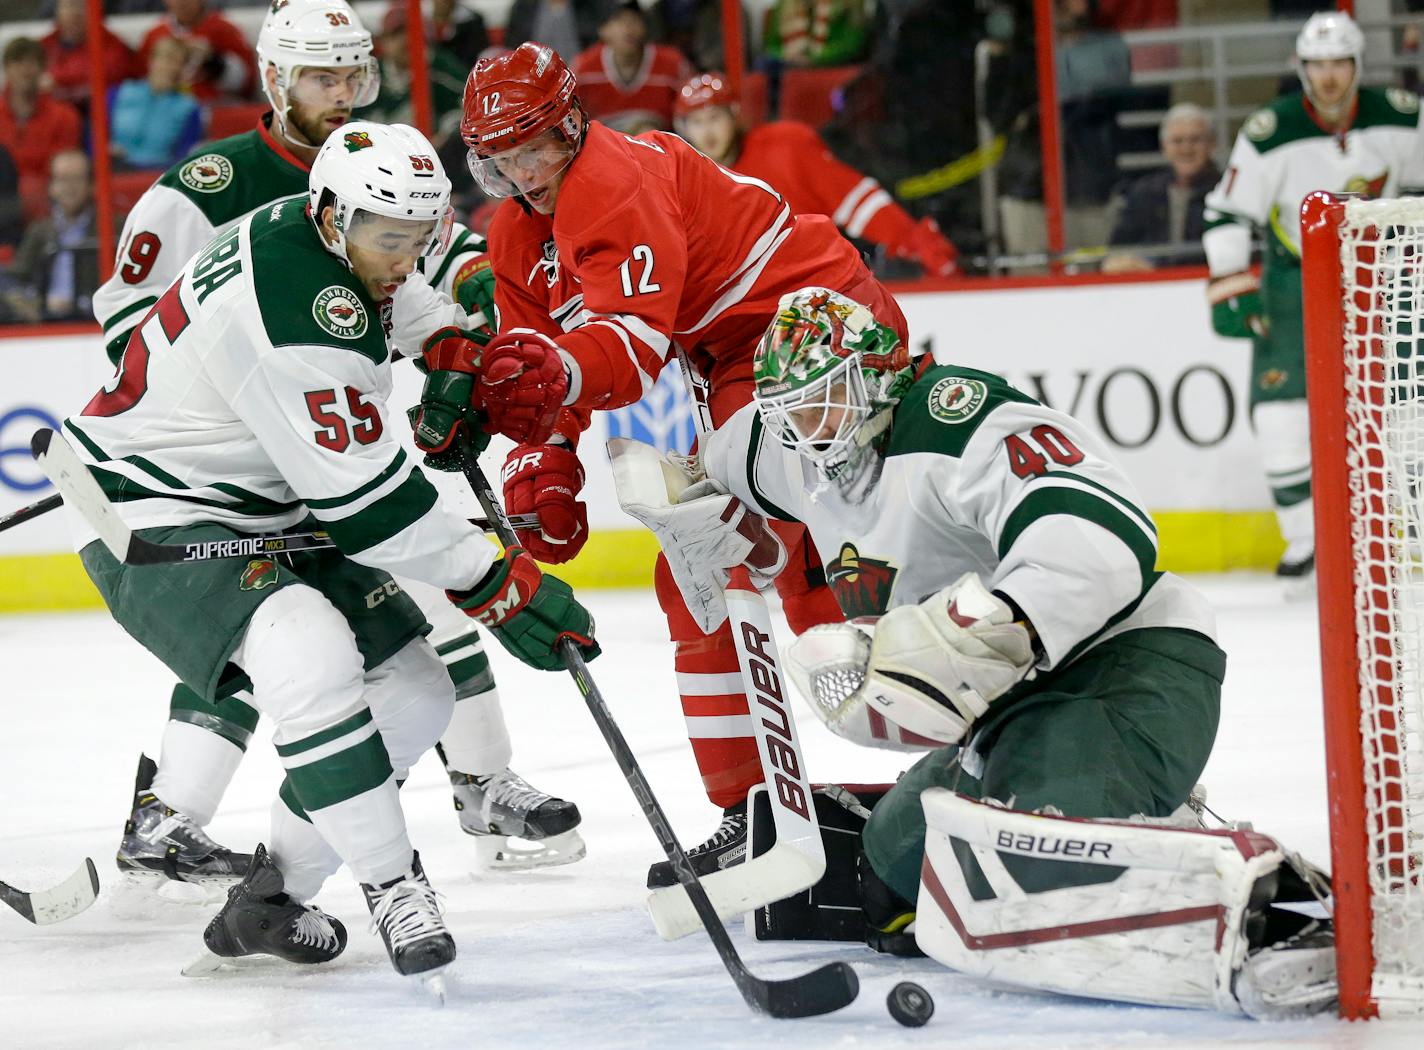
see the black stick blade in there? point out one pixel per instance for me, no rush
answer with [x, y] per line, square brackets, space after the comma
[821, 991]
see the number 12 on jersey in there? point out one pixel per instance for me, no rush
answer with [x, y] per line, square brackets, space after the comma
[641, 254]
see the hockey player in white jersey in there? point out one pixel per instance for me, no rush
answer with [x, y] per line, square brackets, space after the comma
[1067, 692]
[317, 65]
[251, 398]
[1337, 135]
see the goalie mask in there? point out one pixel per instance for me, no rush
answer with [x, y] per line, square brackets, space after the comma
[325, 39]
[367, 170]
[827, 377]
[1329, 35]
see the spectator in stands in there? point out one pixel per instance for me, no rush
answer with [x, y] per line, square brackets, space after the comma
[67, 55]
[568, 26]
[626, 82]
[221, 63]
[152, 122]
[447, 79]
[459, 30]
[56, 267]
[1165, 207]
[34, 125]
[816, 32]
[694, 27]
[793, 159]
[12, 221]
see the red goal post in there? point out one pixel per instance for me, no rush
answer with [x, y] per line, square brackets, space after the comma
[1363, 273]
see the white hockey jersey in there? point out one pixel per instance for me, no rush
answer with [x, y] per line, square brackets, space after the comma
[214, 189]
[253, 393]
[977, 477]
[1282, 154]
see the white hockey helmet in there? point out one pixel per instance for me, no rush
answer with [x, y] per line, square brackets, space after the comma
[1329, 35]
[322, 33]
[389, 170]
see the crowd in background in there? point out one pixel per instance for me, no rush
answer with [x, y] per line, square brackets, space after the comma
[890, 84]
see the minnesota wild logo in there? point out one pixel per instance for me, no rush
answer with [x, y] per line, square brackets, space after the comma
[339, 312]
[1371, 188]
[955, 399]
[357, 140]
[206, 174]
[259, 574]
[277, 5]
[861, 585]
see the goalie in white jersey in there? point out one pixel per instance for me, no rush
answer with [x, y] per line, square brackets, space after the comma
[316, 63]
[1024, 638]
[1336, 135]
[251, 398]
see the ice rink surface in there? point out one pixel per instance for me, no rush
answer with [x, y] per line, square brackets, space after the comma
[564, 957]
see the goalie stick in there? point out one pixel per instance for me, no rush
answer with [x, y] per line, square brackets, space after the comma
[820, 991]
[34, 510]
[64, 901]
[77, 485]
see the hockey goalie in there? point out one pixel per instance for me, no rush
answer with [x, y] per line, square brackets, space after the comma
[1009, 623]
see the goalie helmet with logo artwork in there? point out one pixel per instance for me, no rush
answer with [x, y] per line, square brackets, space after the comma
[827, 376]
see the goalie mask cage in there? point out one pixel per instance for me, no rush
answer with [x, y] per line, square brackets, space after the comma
[1364, 321]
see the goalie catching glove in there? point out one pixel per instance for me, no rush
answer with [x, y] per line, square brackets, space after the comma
[931, 670]
[529, 612]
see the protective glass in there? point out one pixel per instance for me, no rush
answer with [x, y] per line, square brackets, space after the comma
[522, 169]
[329, 87]
[819, 422]
[384, 234]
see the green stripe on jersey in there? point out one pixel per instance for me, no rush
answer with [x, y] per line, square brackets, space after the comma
[753, 452]
[128, 311]
[1127, 504]
[388, 516]
[466, 242]
[342, 776]
[1043, 502]
[370, 486]
[326, 736]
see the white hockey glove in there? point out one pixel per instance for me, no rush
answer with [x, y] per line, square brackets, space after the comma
[931, 671]
[703, 529]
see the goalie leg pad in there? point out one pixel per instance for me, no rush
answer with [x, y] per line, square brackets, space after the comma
[1105, 909]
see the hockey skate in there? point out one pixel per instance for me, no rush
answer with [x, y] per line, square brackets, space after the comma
[162, 846]
[260, 919]
[1296, 571]
[504, 806]
[1294, 977]
[727, 846]
[407, 913]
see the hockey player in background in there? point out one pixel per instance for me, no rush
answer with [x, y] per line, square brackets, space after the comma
[611, 249]
[251, 399]
[791, 156]
[316, 66]
[1337, 135]
[1023, 638]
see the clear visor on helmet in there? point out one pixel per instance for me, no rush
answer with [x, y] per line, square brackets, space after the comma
[820, 421]
[523, 169]
[323, 88]
[387, 235]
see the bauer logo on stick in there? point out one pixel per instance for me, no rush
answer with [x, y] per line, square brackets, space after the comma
[207, 174]
[339, 312]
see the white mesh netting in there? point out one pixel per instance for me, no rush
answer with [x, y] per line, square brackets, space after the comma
[1382, 249]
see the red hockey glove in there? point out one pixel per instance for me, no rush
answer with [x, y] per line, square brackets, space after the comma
[929, 247]
[522, 385]
[545, 480]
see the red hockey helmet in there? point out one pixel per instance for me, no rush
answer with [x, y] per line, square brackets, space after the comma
[705, 89]
[511, 98]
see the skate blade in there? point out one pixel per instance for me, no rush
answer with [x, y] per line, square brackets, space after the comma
[210, 965]
[432, 983]
[505, 853]
[205, 965]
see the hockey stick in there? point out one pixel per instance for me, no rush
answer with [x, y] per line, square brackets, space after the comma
[34, 510]
[820, 991]
[76, 484]
[62, 902]
[797, 857]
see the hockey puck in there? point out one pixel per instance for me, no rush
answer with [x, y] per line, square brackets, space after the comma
[910, 1004]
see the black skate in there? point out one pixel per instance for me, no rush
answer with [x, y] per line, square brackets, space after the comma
[260, 919]
[407, 912]
[161, 842]
[727, 846]
[502, 806]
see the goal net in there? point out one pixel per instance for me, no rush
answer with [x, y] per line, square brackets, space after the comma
[1364, 302]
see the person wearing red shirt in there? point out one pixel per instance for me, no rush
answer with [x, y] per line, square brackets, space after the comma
[626, 82]
[792, 157]
[67, 55]
[613, 254]
[223, 63]
[34, 125]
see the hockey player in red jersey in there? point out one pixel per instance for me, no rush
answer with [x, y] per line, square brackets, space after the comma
[613, 254]
[792, 157]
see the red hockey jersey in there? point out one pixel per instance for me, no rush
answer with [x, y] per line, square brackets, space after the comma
[792, 157]
[645, 100]
[651, 243]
